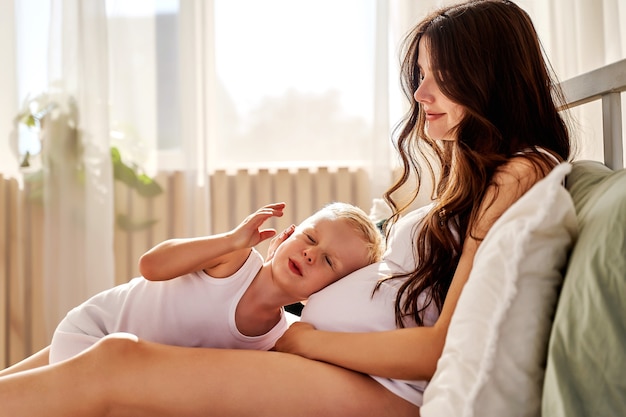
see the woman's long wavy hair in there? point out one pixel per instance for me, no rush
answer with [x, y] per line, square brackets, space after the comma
[486, 56]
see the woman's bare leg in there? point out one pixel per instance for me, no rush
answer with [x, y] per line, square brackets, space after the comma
[124, 378]
[33, 361]
[49, 390]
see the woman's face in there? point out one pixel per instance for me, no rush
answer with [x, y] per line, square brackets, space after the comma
[442, 114]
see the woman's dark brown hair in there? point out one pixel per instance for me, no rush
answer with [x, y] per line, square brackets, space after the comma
[486, 56]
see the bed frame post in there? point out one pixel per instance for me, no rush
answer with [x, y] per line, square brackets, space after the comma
[612, 127]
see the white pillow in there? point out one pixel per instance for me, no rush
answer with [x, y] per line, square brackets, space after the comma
[399, 253]
[494, 357]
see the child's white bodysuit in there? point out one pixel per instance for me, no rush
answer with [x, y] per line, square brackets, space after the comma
[192, 310]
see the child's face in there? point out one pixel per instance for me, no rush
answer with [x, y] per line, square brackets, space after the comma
[319, 252]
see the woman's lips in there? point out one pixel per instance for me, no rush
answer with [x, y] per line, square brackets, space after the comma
[433, 116]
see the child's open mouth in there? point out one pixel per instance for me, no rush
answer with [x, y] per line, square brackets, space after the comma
[295, 268]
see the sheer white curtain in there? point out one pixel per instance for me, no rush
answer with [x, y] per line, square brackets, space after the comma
[78, 237]
[8, 85]
[162, 87]
[198, 104]
[579, 36]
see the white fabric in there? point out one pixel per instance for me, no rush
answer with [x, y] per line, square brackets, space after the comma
[78, 209]
[193, 310]
[493, 360]
[350, 304]
[8, 85]
[400, 247]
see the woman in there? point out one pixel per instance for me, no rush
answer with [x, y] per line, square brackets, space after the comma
[483, 103]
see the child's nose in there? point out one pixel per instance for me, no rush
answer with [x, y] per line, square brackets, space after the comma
[308, 255]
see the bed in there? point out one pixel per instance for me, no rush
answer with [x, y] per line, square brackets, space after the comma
[541, 329]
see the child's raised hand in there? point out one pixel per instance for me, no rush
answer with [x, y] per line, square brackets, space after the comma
[249, 232]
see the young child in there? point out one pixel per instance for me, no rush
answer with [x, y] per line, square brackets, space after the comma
[217, 291]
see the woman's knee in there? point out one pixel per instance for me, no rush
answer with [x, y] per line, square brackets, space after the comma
[112, 350]
[117, 344]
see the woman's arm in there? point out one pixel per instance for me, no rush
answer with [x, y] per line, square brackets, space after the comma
[409, 353]
[176, 257]
[412, 353]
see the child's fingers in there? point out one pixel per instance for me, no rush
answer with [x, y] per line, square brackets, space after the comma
[276, 206]
[266, 234]
[288, 231]
[275, 209]
[278, 239]
[254, 221]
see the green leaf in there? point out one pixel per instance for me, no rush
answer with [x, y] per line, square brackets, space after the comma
[124, 173]
[116, 157]
[127, 224]
[147, 187]
[29, 120]
[121, 171]
[26, 161]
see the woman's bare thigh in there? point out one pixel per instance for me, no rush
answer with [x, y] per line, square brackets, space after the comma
[156, 380]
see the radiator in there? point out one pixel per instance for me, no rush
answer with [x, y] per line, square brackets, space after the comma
[232, 196]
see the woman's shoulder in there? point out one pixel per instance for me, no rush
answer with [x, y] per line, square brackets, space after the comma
[524, 169]
[530, 164]
[511, 180]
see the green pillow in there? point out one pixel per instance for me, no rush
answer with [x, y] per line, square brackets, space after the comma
[586, 368]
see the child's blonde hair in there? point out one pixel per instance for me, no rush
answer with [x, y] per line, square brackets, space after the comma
[360, 222]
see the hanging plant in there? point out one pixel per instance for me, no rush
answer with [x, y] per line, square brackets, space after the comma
[68, 150]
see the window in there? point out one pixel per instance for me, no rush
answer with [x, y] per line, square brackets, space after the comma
[295, 80]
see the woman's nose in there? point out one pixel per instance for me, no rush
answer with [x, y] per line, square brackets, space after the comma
[421, 95]
[418, 95]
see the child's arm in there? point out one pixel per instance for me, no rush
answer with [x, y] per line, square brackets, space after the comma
[175, 257]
